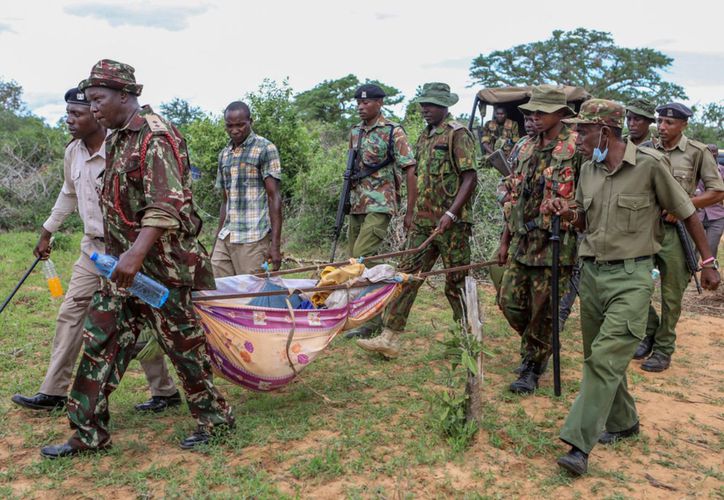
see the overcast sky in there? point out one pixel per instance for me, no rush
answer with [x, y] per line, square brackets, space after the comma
[212, 52]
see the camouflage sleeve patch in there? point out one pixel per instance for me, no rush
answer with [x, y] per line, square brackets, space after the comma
[162, 183]
[487, 137]
[464, 149]
[403, 154]
[154, 217]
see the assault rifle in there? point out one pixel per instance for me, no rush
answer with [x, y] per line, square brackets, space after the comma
[692, 262]
[498, 161]
[343, 205]
[555, 306]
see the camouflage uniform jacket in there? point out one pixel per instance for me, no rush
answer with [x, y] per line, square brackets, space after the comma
[162, 182]
[379, 192]
[538, 174]
[442, 154]
[508, 132]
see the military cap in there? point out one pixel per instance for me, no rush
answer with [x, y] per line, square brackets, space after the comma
[436, 93]
[547, 99]
[113, 75]
[642, 107]
[600, 112]
[674, 110]
[76, 96]
[369, 91]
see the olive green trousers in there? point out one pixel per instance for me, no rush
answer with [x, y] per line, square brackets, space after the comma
[675, 277]
[614, 299]
[366, 233]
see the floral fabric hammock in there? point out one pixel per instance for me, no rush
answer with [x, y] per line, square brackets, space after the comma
[265, 348]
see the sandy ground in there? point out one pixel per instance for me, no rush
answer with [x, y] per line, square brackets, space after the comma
[679, 455]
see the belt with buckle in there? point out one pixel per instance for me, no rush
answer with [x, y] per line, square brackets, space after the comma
[614, 262]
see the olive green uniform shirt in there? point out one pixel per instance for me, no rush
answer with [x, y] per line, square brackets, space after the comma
[623, 208]
[691, 161]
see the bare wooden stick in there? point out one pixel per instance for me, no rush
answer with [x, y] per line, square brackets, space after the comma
[371, 258]
[474, 383]
[359, 284]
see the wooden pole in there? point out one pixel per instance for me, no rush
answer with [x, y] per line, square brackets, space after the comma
[474, 383]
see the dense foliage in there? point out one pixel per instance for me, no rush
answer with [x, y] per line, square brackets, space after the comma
[310, 129]
[584, 58]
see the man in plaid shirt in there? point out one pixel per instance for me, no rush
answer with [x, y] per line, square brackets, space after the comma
[250, 218]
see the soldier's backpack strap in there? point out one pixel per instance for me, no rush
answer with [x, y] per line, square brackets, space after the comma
[454, 127]
[367, 169]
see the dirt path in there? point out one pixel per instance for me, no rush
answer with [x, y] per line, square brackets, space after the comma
[679, 454]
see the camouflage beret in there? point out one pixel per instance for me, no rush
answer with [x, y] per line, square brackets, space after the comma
[600, 112]
[674, 110]
[436, 93]
[642, 107]
[113, 75]
[76, 96]
[369, 91]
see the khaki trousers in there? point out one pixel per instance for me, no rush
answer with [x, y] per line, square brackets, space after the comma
[232, 259]
[84, 282]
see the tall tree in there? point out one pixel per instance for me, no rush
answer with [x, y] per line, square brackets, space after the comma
[332, 101]
[707, 125]
[180, 112]
[11, 96]
[584, 58]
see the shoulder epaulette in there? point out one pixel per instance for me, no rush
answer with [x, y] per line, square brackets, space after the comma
[658, 155]
[698, 145]
[455, 125]
[156, 124]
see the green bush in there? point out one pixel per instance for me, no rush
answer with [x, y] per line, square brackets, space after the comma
[315, 196]
[31, 170]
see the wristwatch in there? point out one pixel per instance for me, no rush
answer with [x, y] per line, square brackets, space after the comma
[451, 215]
[714, 264]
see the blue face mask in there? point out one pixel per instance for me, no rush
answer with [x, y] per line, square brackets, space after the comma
[598, 155]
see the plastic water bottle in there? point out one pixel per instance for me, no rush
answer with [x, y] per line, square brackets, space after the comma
[655, 274]
[148, 290]
[54, 285]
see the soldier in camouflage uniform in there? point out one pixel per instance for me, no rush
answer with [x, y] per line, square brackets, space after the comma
[639, 117]
[547, 165]
[151, 225]
[502, 132]
[382, 149]
[447, 179]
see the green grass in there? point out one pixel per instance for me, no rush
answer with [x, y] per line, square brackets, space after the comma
[373, 437]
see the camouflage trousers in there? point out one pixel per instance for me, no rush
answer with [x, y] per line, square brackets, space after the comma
[454, 248]
[525, 299]
[111, 329]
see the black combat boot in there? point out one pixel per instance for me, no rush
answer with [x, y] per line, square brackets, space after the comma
[613, 437]
[575, 462]
[528, 379]
[658, 362]
[644, 348]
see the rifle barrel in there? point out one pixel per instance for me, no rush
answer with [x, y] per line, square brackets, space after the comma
[555, 339]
